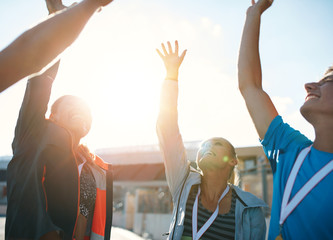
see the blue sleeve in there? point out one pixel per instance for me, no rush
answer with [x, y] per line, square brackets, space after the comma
[281, 138]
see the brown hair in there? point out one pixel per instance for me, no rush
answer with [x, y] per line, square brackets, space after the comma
[234, 177]
[85, 152]
[330, 69]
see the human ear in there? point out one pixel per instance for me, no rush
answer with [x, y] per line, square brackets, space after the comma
[233, 162]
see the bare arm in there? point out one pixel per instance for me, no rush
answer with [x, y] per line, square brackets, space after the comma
[171, 142]
[258, 103]
[38, 46]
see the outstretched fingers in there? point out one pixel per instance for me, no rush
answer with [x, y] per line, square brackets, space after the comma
[262, 4]
[169, 54]
[182, 56]
[176, 47]
[171, 60]
[169, 47]
[159, 53]
[54, 6]
[164, 49]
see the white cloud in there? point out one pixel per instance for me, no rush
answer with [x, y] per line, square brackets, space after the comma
[282, 103]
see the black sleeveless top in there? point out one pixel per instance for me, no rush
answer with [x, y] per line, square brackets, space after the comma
[223, 226]
[87, 191]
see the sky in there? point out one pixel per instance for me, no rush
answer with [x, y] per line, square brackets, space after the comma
[113, 65]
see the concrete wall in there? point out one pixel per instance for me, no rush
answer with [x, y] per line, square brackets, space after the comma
[153, 225]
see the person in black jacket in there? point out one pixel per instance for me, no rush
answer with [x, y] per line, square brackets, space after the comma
[56, 187]
[52, 180]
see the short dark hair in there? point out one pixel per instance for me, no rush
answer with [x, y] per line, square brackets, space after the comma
[55, 105]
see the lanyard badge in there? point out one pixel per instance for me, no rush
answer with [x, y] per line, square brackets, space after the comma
[197, 234]
[287, 207]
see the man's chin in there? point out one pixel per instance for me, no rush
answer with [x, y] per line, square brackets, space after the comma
[305, 111]
[79, 133]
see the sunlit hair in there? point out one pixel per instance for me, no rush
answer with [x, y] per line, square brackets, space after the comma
[231, 147]
[329, 70]
[232, 150]
[234, 177]
[55, 105]
[90, 158]
[84, 150]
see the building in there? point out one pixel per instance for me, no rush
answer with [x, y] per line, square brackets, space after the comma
[4, 160]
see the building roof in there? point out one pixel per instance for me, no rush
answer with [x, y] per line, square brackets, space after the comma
[145, 163]
[141, 154]
[139, 172]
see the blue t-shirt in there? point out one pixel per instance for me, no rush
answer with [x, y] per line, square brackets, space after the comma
[312, 218]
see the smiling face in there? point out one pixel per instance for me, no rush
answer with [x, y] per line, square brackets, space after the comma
[72, 113]
[216, 153]
[319, 99]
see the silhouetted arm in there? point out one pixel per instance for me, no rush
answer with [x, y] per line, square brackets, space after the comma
[38, 46]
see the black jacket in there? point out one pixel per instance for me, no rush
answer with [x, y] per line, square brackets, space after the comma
[42, 177]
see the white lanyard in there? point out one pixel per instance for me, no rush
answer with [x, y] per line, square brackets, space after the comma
[288, 207]
[196, 235]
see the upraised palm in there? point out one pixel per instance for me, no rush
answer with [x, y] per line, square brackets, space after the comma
[262, 5]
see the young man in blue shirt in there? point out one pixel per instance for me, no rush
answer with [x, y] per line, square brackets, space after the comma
[302, 169]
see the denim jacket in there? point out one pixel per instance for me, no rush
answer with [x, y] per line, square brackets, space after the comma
[249, 217]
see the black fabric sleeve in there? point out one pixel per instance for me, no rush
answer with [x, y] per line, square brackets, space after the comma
[109, 201]
[34, 106]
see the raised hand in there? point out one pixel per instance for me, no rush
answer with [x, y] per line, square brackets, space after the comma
[101, 3]
[172, 60]
[261, 5]
[54, 5]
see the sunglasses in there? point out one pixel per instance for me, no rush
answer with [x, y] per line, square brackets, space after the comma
[325, 80]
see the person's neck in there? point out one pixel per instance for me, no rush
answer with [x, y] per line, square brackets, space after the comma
[213, 184]
[76, 142]
[324, 136]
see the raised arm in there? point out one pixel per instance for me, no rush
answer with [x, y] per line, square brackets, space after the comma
[37, 94]
[34, 105]
[38, 46]
[258, 103]
[171, 142]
